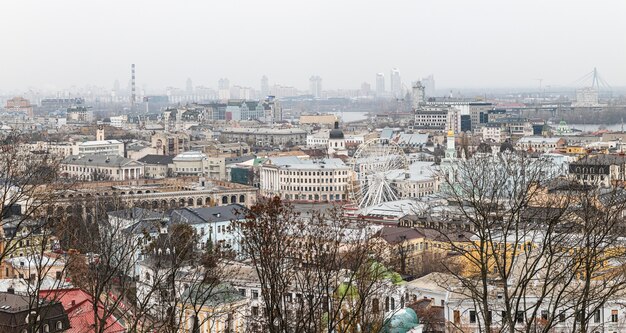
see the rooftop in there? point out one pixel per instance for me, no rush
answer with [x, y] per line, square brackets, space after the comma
[99, 160]
[157, 159]
[275, 131]
[207, 214]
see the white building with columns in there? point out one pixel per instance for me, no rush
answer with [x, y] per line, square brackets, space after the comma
[296, 179]
[101, 167]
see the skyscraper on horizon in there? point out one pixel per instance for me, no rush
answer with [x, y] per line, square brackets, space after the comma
[395, 83]
[315, 86]
[189, 86]
[380, 84]
[223, 88]
[265, 86]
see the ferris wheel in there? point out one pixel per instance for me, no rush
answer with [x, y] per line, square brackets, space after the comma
[376, 164]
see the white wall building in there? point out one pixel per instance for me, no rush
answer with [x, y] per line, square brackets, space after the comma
[296, 179]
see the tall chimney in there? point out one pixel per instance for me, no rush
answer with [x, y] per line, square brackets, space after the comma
[132, 97]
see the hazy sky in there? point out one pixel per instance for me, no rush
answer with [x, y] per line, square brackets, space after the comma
[490, 43]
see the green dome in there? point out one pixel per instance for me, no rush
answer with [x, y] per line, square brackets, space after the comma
[401, 321]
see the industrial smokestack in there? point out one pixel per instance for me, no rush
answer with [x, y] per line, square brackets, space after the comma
[132, 87]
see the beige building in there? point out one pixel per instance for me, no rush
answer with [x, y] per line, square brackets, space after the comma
[170, 143]
[19, 104]
[492, 132]
[540, 144]
[327, 120]
[101, 167]
[264, 136]
[296, 179]
[194, 163]
[165, 193]
[157, 166]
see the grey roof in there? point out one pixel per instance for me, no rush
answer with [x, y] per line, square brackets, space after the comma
[297, 163]
[239, 159]
[136, 213]
[208, 214]
[99, 160]
[212, 295]
[157, 159]
[601, 160]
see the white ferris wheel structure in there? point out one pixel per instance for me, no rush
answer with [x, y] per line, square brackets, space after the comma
[373, 163]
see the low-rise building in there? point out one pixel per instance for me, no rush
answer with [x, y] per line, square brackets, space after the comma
[157, 166]
[194, 163]
[603, 170]
[540, 144]
[492, 132]
[101, 167]
[264, 136]
[16, 314]
[297, 179]
[213, 224]
[99, 147]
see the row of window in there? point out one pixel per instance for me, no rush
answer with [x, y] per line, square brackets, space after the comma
[314, 180]
[317, 189]
[46, 327]
[519, 316]
[311, 197]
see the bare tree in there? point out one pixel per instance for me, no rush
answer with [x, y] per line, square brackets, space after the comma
[318, 272]
[524, 235]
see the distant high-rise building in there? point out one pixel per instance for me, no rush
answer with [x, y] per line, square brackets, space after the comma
[189, 86]
[265, 86]
[396, 83]
[418, 95]
[116, 86]
[380, 84]
[223, 83]
[429, 85]
[366, 89]
[315, 86]
[223, 88]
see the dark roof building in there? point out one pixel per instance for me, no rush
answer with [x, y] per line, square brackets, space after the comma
[157, 159]
[19, 313]
[208, 214]
[336, 133]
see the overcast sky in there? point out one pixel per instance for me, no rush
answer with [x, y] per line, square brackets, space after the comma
[490, 43]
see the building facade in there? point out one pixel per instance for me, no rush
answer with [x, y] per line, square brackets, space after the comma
[296, 179]
[101, 167]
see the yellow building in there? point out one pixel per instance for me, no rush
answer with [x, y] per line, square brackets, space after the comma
[576, 150]
[213, 308]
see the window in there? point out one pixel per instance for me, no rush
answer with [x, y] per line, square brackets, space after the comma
[472, 315]
[375, 305]
[544, 314]
[242, 292]
[562, 317]
[59, 325]
[46, 328]
[255, 294]
[614, 316]
[457, 317]
[519, 317]
[255, 310]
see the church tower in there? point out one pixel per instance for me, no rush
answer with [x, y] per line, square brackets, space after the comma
[100, 133]
[451, 148]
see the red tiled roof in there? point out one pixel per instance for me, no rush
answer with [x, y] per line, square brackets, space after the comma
[79, 307]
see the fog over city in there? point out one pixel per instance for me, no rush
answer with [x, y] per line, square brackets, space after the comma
[465, 44]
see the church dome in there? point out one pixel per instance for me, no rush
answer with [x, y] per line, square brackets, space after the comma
[336, 133]
[401, 321]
